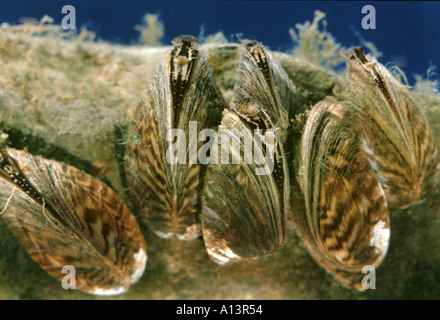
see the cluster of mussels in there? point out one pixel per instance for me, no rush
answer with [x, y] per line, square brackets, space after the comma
[357, 157]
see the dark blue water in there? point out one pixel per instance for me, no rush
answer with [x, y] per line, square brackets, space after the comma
[407, 32]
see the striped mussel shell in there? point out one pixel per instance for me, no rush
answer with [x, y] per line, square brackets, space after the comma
[65, 217]
[164, 175]
[247, 190]
[393, 130]
[346, 225]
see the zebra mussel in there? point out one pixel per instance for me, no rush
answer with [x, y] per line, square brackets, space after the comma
[65, 217]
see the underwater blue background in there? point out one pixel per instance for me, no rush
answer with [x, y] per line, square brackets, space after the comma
[407, 32]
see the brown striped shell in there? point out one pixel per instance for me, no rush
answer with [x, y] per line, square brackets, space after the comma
[65, 217]
[395, 134]
[167, 196]
[244, 210]
[347, 217]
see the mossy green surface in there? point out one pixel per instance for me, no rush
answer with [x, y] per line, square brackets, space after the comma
[70, 100]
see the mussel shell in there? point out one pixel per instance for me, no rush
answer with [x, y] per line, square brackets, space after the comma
[347, 219]
[395, 134]
[244, 212]
[65, 217]
[183, 96]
